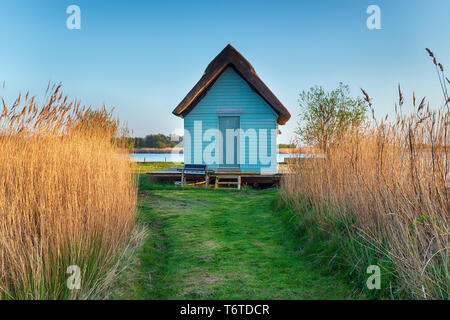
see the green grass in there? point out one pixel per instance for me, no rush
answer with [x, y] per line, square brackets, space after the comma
[348, 254]
[222, 244]
[145, 167]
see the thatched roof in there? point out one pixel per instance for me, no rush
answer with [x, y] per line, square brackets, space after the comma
[230, 57]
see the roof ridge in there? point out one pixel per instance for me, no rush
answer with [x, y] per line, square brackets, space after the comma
[230, 56]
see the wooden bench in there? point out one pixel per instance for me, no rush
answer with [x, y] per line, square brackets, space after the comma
[194, 170]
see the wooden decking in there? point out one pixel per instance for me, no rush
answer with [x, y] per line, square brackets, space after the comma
[254, 179]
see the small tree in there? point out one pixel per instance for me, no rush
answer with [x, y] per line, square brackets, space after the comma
[325, 116]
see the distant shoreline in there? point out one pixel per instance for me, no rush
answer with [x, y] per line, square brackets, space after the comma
[158, 150]
[302, 150]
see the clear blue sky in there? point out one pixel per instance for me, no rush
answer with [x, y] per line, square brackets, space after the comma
[142, 57]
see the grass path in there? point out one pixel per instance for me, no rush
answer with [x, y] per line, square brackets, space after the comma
[222, 244]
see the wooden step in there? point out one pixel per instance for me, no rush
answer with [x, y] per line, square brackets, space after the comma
[237, 181]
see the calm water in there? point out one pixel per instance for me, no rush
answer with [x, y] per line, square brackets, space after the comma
[169, 157]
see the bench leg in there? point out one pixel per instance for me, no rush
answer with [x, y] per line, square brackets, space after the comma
[239, 183]
[206, 181]
[217, 183]
[182, 179]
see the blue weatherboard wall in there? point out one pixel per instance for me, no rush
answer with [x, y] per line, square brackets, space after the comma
[231, 91]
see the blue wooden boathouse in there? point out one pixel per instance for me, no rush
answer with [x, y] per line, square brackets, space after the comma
[231, 118]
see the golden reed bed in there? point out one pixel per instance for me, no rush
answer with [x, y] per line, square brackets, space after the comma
[386, 187]
[67, 197]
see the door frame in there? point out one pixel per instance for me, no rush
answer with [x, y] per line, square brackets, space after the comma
[224, 165]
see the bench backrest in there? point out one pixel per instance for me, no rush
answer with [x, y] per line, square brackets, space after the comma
[195, 168]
